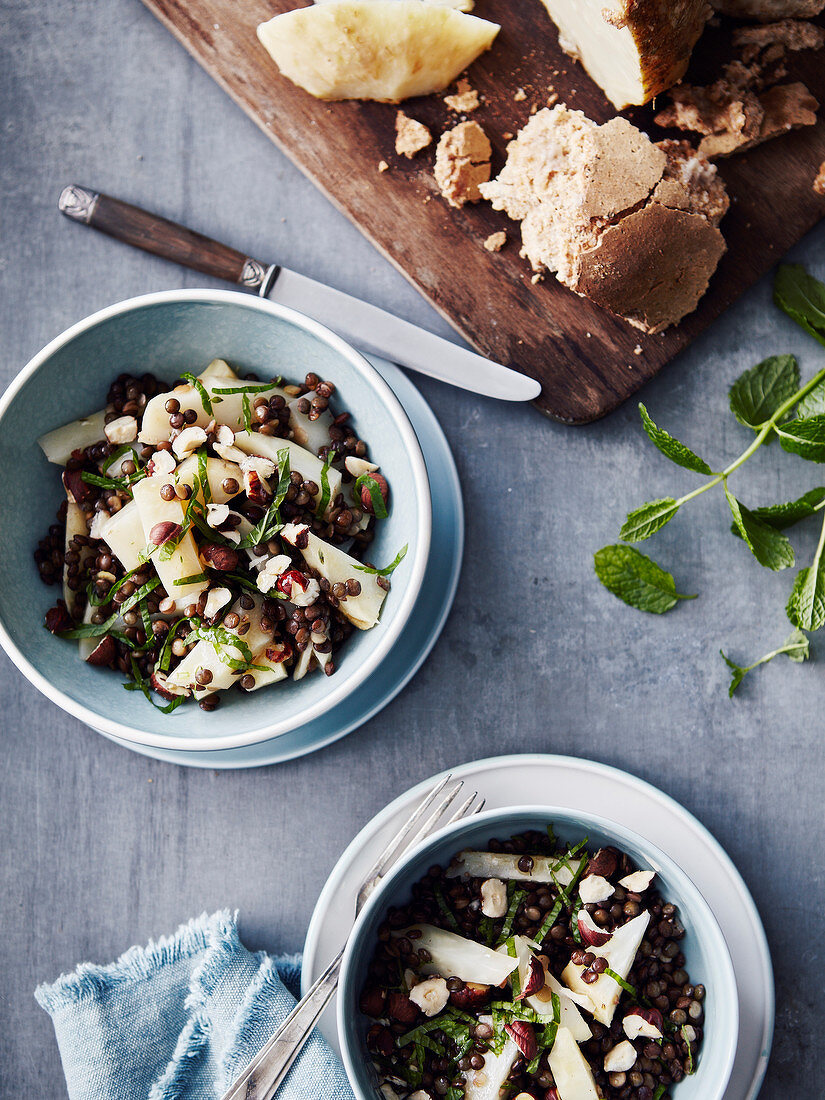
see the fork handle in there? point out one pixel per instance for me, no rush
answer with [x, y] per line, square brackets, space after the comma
[265, 1073]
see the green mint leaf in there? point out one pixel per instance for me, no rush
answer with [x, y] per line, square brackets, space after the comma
[796, 647]
[757, 394]
[806, 605]
[802, 297]
[805, 438]
[768, 545]
[646, 521]
[203, 393]
[785, 515]
[636, 579]
[388, 569]
[813, 403]
[671, 448]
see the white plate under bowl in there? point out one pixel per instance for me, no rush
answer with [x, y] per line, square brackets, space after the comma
[581, 785]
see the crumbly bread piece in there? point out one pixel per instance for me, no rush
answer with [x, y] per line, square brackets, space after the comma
[653, 266]
[462, 163]
[411, 136]
[464, 99]
[767, 10]
[613, 215]
[633, 49]
[690, 182]
[793, 34]
[496, 241]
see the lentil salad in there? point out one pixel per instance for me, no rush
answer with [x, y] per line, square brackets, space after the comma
[532, 970]
[213, 533]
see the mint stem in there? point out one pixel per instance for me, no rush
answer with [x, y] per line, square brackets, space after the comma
[764, 432]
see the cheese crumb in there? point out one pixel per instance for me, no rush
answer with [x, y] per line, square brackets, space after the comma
[382, 166]
[462, 162]
[465, 98]
[496, 241]
[819, 182]
[411, 136]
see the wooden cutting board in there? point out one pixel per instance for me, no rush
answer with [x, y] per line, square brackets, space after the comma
[587, 360]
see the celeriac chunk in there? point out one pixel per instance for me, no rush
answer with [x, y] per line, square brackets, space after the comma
[183, 561]
[228, 410]
[337, 567]
[123, 533]
[573, 1076]
[218, 470]
[385, 50]
[308, 465]
[207, 655]
[58, 445]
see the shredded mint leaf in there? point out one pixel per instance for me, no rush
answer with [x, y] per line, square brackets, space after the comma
[796, 646]
[191, 579]
[626, 986]
[648, 519]
[768, 545]
[671, 448]
[758, 393]
[246, 410]
[379, 508]
[785, 515]
[636, 579]
[250, 387]
[802, 297]
[323, 499]
[271, 524]
[805, 438]
[388, 569]
[203, 393]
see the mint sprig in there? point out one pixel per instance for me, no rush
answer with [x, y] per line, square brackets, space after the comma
[203, 393]
[796, 646]
[770, 400]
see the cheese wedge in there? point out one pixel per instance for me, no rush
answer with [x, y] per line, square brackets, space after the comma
[633, 49]
[385, 50]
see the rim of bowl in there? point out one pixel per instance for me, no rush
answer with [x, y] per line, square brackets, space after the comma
[721, 957]
[423, 521]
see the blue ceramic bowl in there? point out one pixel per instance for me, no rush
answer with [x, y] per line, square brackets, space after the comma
[167, 334]
[708, 959]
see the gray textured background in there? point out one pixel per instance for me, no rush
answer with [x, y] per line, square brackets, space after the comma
[100, 848]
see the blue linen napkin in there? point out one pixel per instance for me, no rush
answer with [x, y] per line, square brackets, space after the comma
[180, 1018]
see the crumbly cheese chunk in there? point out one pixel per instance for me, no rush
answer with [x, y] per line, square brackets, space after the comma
[633, 49]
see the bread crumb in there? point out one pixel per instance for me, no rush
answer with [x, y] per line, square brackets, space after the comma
[496, 241]
[465, 98]
[637, 350]
[552, 98]
[411, 136]
[462, 162]
[536, 278]
[520, 95]
[382, 166]
[508, 135]
[819, 182]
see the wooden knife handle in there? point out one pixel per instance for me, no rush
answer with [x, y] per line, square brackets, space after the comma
[164, 238]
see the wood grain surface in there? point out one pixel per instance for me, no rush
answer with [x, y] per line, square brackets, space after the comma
[587, 360]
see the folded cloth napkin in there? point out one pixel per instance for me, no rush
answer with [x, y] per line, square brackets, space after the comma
[180, 1018]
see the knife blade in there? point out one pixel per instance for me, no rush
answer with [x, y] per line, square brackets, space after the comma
[366, 326]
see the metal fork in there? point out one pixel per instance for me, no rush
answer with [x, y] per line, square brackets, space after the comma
[265, 1073]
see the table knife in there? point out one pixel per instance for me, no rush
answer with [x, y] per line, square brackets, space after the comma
[364, 325]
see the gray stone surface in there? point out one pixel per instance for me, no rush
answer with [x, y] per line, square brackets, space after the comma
[101, 848]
